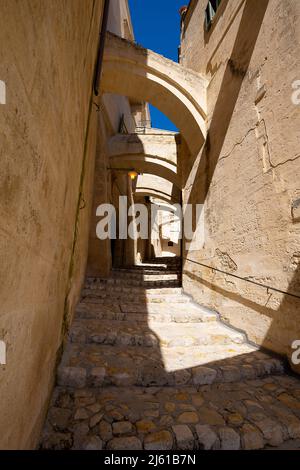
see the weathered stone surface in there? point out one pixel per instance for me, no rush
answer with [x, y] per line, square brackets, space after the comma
[235, 419]
[97, 376]
[151, 413]
[94, 408]
[166, 421]
[170, 407]
[252, 438]
[290, 401]
[230, 373]
[188, 417]
[144, 426]
[184, 437]
[207, 438]
[122, 427]
[289, 420]
[105, 431]
[71, 376]
[210, 416]
[57, 441]
[271, 430]
[197, 400]
[95, 419]
[81, 414]
[93, 443]
[182, 377]
[114, 415]
[59, 418]
[80, 432]
[161, 440]
[229, 438]
[124, 443]
[204, 375]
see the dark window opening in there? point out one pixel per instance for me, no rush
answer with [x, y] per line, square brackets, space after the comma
[170, 244]
[210, 12]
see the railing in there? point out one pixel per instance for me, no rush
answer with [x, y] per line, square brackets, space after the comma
[142, 126]
[243, 278]
[139, 127]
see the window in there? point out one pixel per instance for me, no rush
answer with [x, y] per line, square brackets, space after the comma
[210, 12]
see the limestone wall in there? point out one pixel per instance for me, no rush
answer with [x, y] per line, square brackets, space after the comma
[109, 185]
[116, 106]
[47, 146]
[248, 173]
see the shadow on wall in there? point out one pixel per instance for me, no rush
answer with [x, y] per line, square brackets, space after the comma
[236, 69]
[220, 10]
[281, 327]
[283, 331]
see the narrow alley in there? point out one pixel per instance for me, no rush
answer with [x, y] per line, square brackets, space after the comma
[149, 227]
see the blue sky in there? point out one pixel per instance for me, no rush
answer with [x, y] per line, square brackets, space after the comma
[156, 25]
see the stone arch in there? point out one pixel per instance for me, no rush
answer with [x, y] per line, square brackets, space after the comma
[158, 187]
[147, 164]
[152, 154]
[141, 74]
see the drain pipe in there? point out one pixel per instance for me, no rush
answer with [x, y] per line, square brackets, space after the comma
[101, 47]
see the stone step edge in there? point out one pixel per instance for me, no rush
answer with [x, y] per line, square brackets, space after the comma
[221, 320]
[140, 318]
[129, 309]
[150, 341]
[82, 377]
[148, 337]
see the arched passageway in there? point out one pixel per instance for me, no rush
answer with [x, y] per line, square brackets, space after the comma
[152, 154]
[141, 74]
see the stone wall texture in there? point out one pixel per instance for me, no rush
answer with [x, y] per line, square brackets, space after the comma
[47, 146]
[248, 172]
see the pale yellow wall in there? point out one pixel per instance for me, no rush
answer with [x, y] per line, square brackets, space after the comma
[116, 105]
[168, 226]
[249, 171]
[99, 254]
[47, 145]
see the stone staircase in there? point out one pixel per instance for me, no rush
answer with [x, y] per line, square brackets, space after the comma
[147, 368]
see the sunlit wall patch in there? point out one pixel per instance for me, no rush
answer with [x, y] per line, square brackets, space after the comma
[2, 92]
[2, 353]
[296, 93]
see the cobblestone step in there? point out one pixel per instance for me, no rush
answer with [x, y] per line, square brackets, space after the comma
[147, 282]
[113, 312]
[251, 415]
[141, 273]
[150, 312]
[105, 297]
[104, 288]
[98, 365]
[152, 334]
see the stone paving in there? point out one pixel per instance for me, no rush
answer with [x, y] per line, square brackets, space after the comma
[147, 368]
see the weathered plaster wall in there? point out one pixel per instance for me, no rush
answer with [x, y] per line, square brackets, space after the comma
[99, 255]
[47, 145]
[116, 106]
[248, 173]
